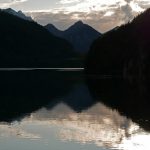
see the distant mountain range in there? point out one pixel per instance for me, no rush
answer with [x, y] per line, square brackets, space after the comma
[19, 14]
[25, 43]
[80, 35]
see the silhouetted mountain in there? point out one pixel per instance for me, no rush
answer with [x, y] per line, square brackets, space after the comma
[28, 44]
[123, 51]
[19, 14]
[52, 29]
[80, 35]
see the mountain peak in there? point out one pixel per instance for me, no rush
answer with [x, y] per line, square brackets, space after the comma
[52, 29]
[9, 10]
[19, 14]
[76, 26]
[79, 22]
[80, 35]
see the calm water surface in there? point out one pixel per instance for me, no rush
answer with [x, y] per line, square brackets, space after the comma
[70, 118]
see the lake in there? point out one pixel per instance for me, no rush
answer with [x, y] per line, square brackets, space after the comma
[63, 109]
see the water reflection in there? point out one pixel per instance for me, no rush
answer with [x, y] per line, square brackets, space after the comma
[130, 99]
[22, 92]
[98, 125]
[59, 111]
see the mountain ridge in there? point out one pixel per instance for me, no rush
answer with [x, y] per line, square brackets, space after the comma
[80, 35]
[31, 45]
[19, 14]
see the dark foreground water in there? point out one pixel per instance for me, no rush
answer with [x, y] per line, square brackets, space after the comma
[61, 110]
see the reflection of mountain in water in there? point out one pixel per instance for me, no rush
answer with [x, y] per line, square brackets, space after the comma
[67, 105]
[98, 125]
[78, 98]
[129, 99]
[23, 92]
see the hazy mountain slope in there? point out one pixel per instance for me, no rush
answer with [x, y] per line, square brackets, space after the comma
[80, 35]
[52, 29]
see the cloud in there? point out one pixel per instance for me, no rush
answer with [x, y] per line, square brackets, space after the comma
[109, 13]
[9, 3]
[62, 21]
[102, 15]
[88, 5]
[69, 1]
[135, 7]
[103, 20]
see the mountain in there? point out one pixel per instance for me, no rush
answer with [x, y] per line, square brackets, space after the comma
[124, 51]
[19, 14]
[80, 35]
[52, 29]
[28, 44]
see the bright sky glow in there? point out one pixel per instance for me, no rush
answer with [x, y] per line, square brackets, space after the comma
[101, 14]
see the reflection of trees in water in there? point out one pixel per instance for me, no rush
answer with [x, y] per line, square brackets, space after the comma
[131, 100]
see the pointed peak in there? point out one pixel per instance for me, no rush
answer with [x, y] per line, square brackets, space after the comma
[79, 22]
[19, 14]
[51, 27]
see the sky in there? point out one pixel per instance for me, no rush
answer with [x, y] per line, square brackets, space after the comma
[102, 15]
